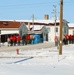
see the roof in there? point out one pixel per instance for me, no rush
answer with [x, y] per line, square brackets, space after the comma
[9, 24]
[17, 23]
[71, 25]
[36, 21]
[36, 27]
[39, 21]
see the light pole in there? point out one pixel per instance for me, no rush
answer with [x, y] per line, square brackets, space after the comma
[55, 22]
[0, 38]
[61, 22]
[33, 22]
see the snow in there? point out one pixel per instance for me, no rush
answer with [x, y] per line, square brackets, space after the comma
[39, 21]
[71, 24]
[36, 27]
[45, 61]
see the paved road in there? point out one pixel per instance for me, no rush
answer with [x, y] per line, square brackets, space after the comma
[27, 47]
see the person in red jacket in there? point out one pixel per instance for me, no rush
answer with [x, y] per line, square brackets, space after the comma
[27, 39]
[70, 39]
[14, 40]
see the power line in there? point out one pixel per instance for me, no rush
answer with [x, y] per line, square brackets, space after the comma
[30, 4]
[37, 4]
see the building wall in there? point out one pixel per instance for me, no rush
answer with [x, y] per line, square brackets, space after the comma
[50, 28]
[52, 33]
[71, 28]
[23, 30]
[71, 31]
[44, 32]
[9, 31]
[65, 28]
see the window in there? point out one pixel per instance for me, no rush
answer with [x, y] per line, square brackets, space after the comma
[73, 31]
[56, 29]
[48, 29]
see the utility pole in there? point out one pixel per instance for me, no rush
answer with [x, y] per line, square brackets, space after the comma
[0, 38]
[33, 22]
[55, 22]
[61, 22]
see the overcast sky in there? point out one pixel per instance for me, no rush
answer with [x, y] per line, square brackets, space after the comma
[24, 9]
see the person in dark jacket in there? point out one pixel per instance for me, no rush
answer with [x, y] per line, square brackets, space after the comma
[14, 40]
[24, 39]
[11, 40]
[65, 41]
[18, 39]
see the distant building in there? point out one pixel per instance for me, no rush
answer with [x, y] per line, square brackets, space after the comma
[39, 30]
[48, 28]
[52, 29]
[71, 28]
[8, 28]
[21, 27]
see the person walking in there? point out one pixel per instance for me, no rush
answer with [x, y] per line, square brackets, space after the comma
[18, 39]
[11, 40]
[14, 40]
[8, 40]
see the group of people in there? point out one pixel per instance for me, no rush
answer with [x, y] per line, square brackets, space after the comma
[68, 39]
[16, 39]
[26, 39]
[13, 40]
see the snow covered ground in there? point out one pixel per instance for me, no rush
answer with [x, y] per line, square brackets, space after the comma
[46, 61]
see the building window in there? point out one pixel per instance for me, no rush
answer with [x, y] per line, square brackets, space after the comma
[48, 29]
[56, 29]
[73, 31]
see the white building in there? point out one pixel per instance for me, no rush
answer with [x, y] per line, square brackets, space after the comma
[71, 28]
[8, 28]
[52, 29]
[39, 29]
[49, 24]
